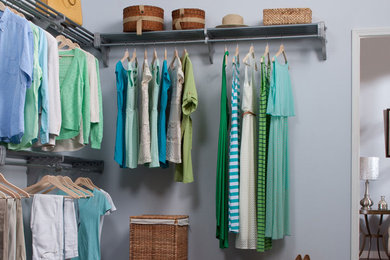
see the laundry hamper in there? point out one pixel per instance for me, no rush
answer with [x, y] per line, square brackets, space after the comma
[159, 237]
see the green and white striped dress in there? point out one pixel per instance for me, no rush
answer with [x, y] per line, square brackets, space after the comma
[234, 151]
[263, 243]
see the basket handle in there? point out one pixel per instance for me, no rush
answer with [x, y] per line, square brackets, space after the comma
[72, 3]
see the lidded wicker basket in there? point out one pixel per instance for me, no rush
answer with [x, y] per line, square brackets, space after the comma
[162, 237]
[138, 18]
[188, 18]
[287, 16]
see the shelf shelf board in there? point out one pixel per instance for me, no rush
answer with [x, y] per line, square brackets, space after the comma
[209, 36]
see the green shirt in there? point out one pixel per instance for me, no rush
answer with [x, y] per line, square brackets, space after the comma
[31, 102]
[183, 171]
[222, 166]
[75, 94]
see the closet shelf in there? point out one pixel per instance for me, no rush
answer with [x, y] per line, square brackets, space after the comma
[55, 161]
[213, 35]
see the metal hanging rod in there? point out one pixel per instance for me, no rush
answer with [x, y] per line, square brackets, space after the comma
[54, 161]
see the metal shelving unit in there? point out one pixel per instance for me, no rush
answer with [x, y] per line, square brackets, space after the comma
[55, 161]
[52, 21]
[316, 31]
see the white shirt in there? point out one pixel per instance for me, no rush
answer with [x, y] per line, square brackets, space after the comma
[53, 69]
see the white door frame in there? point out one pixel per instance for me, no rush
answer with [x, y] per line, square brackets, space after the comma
[357, 35]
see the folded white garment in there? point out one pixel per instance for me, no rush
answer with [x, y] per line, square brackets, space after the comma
[47, 226]
[70, 229]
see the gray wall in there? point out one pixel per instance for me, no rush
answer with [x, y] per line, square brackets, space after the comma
[320, 134]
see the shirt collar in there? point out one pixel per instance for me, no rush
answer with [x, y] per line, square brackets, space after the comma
[5, 15]
[4, 18]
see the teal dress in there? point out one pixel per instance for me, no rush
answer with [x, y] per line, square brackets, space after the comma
[132, 125]
[280, 107]
[154, 88]
[121, 90]
[162, 128]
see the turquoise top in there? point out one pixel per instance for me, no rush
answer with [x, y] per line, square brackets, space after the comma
[43, 98]
[162, 134]
[132, 126]
[280, 107]
[154, 88]
[90, 211]
[121, 91]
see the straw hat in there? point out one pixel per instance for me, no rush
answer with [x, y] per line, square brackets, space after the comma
[232, 20]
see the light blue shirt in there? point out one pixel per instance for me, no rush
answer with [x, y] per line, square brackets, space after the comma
[43, 98]
[16, 69]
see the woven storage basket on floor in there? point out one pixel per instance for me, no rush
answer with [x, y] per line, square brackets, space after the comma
[138, 18]
[188, 18]
[159, 237]
[286, 16]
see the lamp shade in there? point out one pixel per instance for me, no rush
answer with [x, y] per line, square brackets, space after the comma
[369, 168]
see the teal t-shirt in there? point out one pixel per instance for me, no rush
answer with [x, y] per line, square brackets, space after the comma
[90, 210]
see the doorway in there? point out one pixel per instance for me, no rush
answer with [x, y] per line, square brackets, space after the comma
[360, 39]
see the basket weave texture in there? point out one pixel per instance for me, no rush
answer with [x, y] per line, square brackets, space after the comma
[188, 18]
[158, 241]
[152, 18]
[287, 16]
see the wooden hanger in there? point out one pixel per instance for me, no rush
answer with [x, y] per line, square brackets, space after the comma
[165, 54]
[251, 52]
[9, 192]
[2, 195]
[175, 56]
[3, 180]
[154, 55]
[145, 55]
[266, 53]
[82, 182]
[236, 54]
[184, 53]
[69, 180]
[48, 181]
[2, 7]
[67, 43]
[126, 56]
[134, 57]
[68, 185]
[281, 51]
[90, 182]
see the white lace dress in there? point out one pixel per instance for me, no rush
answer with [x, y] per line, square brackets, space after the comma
[174, 124]
[144, 155]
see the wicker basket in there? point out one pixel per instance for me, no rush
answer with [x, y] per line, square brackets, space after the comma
[138, 18]
[159, 237]
[185, 19]
[286, 16]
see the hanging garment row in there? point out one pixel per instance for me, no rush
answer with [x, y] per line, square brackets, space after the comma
[67, 225]
[50, 97]
[252, 192]
[168, 97]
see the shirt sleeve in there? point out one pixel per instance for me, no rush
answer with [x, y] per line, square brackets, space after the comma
[105, 204]
[86, 109]
[44, 88]
[27, 56]
[97, 128]
[190, 95]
